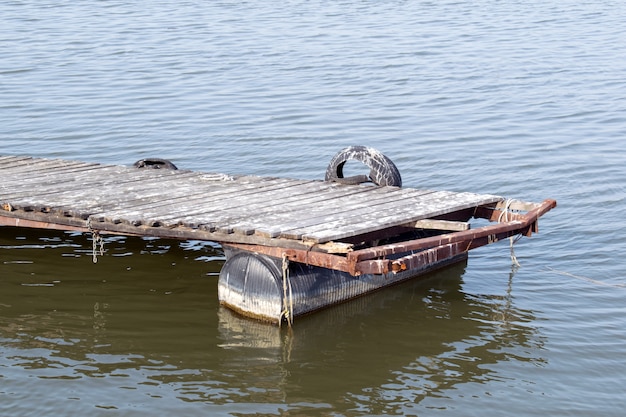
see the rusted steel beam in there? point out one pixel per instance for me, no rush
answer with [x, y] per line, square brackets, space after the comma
[526, 225]
[418, 260]
[428, 257]
[308, 257]
[375, 266]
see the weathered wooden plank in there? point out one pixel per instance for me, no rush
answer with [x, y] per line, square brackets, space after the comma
[6, 162]
[213, 200]
[222, 212]
[185, 195]
[266, 219]
[310, 214]
[257, 215]
[89, 191]
[51, 189]
[222, 219]
[270, 208]
[280, 201]
[25, 168]
[140, 208]
[41, 169]
[439, 203]
[343, 230]
[236, 206]
[65, 177]
[17, 162]
[234, 199]
[103, 191]
[347, 207]
[31, 187]
[91, 173]
[434, 224]
[395, 216]
[80, 205]
[42, 186]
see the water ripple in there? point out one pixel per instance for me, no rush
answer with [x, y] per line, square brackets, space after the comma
[520, 99]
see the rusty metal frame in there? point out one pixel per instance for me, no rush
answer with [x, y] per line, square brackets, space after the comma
[395, 257]
[416, 253]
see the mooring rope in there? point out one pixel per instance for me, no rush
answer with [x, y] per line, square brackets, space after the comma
[587, 279]
[504, 216]
[513, 240]
[97, 243]
[287, 299]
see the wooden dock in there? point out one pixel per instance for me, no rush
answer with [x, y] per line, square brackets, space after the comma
[354, 229]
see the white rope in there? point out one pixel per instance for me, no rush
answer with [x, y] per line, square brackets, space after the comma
[582, 278]
[287, 293]
[513, 257]
[504, 216]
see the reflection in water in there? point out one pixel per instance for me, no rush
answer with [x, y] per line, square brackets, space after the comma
[400, 345]
[143, 327]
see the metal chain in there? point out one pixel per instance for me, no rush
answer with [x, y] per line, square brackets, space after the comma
[97, 243]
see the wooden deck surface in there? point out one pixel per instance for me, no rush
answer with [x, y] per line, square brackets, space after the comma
[210, 206]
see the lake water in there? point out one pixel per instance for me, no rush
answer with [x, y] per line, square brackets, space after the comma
[525, 99]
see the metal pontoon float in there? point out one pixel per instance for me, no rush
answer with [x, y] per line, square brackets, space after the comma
[292, 246]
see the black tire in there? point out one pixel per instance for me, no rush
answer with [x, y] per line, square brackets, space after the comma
[154, 163]
[383, 171]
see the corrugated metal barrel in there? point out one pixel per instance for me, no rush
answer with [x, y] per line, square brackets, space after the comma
[253, 285]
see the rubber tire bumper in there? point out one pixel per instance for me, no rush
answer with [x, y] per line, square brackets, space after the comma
[383, 172]
[154, 163]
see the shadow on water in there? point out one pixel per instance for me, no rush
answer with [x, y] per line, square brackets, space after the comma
[146, 318]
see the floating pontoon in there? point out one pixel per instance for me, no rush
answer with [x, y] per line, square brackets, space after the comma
[292, 246]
